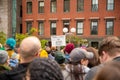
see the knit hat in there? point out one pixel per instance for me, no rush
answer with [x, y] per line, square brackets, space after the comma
[59, 57]
[78, 53]
[11, 42]
[44, 69]
[69, 47]
[43, 54]
[3, 56]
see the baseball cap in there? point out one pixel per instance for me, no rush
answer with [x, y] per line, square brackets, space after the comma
[78, 53]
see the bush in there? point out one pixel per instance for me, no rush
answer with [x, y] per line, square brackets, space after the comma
[43, 42]
[19, 37]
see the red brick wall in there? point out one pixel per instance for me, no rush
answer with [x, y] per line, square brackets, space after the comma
[87, 13]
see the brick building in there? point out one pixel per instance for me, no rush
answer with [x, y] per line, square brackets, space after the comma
[93, 19]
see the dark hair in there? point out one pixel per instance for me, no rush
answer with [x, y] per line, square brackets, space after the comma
[111, 45]
[110, 71]
[44, 69]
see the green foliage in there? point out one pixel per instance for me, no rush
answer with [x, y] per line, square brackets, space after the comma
[2, 38]
[43, 42]
[76, 40]
[19, 37]
[32, 30]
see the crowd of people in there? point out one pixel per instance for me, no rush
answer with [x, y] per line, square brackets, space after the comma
[31, 62]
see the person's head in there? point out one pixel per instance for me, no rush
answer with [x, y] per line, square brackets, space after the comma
[79, 58]
[109, 48]
[48, 50]
[59, 57]
[44, 69]
[3, 57]
[10, 43]
[110, 71]
[30, 48]
[69, 47]
[79, 54]
[95, 60]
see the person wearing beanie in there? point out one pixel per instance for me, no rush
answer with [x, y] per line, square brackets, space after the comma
[9, 46]
[3, 61]
[29, 50]
[43, 69]
[43, 54]
[68, 48]
[78, 64]
[60, 58]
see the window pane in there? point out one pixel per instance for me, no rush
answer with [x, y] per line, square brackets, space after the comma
[66, 5]
[94, 5]
[94, 27]
[29, 26]
[80, 5]
[66, 24]
[109, 27]
[29, 7]
[53, 28]
[79, 27]
[110, 1]
[41, 28]
[53, 6]
[110, 5]
[41, 6]
[94, 1]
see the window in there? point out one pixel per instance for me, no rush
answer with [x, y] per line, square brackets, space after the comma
[110, 4]
[109, 27]
[94, 5]
[21, 28]
[41, 28]
[66, 24]
[41, 6]
[66, 5]
[29, 7]
[20, 10]
[29, 26]
[79, 27]
[80, 5]
[53, 5]
[94, 27]
[53, 28]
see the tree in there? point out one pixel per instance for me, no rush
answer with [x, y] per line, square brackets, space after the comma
[19, 37]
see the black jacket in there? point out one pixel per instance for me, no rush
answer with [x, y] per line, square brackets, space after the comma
[16, 74]
[4, 68]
